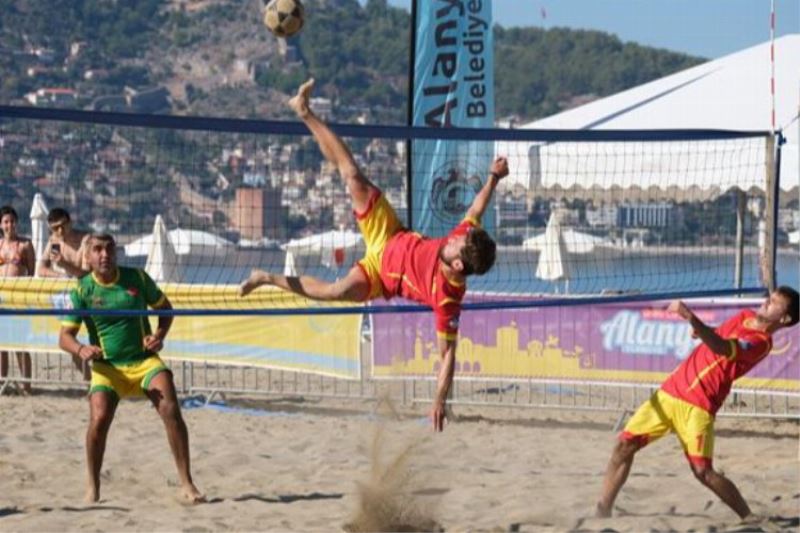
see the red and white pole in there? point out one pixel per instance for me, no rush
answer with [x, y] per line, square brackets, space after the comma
[772, 65]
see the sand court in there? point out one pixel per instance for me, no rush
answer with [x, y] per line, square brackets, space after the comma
[302, 466]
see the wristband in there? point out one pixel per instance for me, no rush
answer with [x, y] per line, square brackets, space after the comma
[495, 175]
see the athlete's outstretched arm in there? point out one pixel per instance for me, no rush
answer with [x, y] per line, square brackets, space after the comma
[497, 171]
[447, 348]
[716, 344]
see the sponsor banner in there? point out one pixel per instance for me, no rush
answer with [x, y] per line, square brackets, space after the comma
[327, 345]
[453, 87]
[631, 342]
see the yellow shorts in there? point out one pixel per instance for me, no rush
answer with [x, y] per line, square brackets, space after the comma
[378, 223]
[663, 413]
[125, 380]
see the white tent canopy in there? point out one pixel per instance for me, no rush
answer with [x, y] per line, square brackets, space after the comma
[731, 93]
[333, 247]
[186, 242]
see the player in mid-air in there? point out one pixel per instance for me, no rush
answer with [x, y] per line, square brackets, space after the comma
[398, 262]
[688, 400]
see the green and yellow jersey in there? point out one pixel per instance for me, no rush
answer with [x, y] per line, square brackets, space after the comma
[120, 337]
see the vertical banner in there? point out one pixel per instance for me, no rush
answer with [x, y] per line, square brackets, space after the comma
[453, 87]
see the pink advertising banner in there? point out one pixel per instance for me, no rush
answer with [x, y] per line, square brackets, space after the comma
[625, 342]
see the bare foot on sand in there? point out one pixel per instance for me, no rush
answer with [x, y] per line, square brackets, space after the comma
[257, 279]
[602, 512]
[189, 495]
[92, 495]
[299, 102]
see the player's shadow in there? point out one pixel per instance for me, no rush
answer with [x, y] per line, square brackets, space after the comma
[289, 498]
[95, 508]
[8, 511]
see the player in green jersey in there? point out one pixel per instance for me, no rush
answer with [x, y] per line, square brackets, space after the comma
[124, 355]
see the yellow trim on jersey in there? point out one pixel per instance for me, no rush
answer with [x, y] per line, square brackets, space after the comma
[447, 336]
[474, 221]
[110, 283]
[447, 300]
[703, 373]
[160, 301]
[734, 349]
[403, 278]
[453, 282]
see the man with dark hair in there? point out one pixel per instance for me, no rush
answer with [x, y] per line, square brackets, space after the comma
[398, 262]
[65, 257]
[65, 253]
[688, 400]
[124, 355]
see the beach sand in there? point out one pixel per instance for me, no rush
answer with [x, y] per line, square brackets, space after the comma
[307, 466]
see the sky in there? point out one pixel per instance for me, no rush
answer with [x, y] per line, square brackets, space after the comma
[705, 28]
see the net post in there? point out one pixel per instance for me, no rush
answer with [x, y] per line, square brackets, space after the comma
[772, 159]
[740, 213]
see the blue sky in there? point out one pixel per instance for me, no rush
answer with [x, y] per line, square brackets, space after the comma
[706, 28]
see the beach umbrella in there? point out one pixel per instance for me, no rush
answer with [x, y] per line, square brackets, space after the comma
[162, 261]
[39, 228]
[553, 262]
[289, 267]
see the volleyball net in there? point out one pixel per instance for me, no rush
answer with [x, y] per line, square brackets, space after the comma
[198, 202]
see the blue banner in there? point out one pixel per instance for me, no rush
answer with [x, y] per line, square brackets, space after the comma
[453, 87]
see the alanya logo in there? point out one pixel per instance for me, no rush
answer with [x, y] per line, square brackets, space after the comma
[454, 188]
[629, 332]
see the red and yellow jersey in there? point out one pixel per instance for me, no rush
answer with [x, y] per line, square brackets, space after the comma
[411, 268]
[704, 379]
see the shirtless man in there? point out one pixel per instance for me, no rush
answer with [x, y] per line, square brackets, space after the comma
[65, 253]
[65, 257]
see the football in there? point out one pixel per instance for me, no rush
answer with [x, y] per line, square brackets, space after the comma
[284, 18]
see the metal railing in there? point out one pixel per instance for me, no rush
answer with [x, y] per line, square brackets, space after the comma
[57, 370]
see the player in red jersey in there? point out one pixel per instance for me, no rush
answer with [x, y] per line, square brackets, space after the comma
[398, 262]
[688, 400]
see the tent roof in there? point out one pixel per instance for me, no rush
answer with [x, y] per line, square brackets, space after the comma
[732, 93]
[324, 241]
[185, 241]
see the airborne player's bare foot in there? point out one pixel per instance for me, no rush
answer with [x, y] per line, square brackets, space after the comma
[299, 102]
[257, 278]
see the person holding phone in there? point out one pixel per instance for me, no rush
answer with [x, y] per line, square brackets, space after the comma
[65, 257]
[65, 253]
